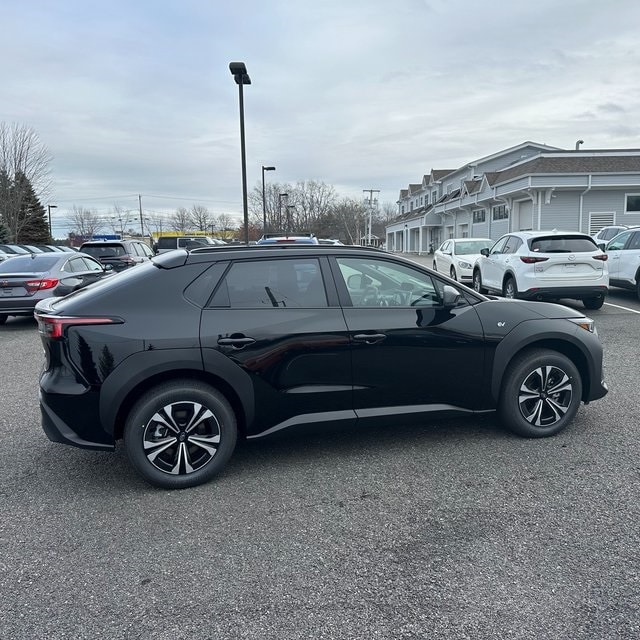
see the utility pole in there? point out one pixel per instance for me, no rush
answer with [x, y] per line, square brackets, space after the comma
[370, 208]
[141, 221]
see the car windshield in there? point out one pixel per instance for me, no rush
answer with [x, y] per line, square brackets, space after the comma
[563, 244]
[29, 264]
[470, 247]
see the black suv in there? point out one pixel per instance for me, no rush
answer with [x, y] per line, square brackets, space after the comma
[253, 340]
[120, 254]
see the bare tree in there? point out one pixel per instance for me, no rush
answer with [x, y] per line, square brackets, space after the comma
[225, 226]
[201, 219]
[180, 220]
[85, 222]
[24, 160]
[349, 216]
[120, 218]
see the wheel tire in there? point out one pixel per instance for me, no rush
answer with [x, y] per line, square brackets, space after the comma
[164, 414]
[541, 392]
[477, 282]
[509, 288]
[3, 318]
[452, 273]
[435, 266]
[593, 303]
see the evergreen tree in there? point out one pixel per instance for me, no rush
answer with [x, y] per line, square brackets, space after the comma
[34, 227]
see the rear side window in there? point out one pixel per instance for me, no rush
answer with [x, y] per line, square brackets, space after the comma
[563, 244]
[294, 283]
[27, 264]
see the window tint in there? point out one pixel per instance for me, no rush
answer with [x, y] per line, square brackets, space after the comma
[106, 250]
[166, 243]
[378, 283]
[91, 265]
[563, 244]
[295, 282]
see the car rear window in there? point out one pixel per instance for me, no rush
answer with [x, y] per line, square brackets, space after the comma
[106, 250]
[166, 243]
[27, 264]
[563, 244]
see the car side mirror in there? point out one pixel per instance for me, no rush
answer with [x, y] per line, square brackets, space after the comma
[485, 252]
[108, 267]
[450, 297]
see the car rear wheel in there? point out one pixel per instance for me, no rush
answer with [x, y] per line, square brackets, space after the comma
[541, 393]
[510, 289]
[180, 434]
[452, 273]
[593, 303]
[477, 282]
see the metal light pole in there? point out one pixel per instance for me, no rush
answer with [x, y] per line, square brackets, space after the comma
[240, 75]
[264, 202]
[282, 195]
[49, 207]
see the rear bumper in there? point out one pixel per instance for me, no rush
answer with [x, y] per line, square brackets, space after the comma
[14, 308]
[556, 293]
[83, 434]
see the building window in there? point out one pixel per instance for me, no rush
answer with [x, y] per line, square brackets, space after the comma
[402, 209]
[499, 213]
[479, 215]
[632, 204]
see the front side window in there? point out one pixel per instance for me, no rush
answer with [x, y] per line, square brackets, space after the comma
[619, 241]
[498, 247]
[378, 283]
[292, 282]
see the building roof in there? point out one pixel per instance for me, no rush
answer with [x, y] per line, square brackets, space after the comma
[567, 164]
[441, 173]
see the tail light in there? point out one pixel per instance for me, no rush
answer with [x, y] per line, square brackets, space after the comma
[38, 285]
[532, 259]
[54, 326]
[604, 257]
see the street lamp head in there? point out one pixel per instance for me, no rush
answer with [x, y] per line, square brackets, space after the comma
[52, 206]
[237, 68]
[239, 72]
[284, 195]
[268, 168]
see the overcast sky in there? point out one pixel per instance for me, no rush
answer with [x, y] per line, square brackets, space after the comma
[135, 96]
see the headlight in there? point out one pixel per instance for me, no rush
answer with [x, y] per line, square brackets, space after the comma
[464, 265]
[584, 323]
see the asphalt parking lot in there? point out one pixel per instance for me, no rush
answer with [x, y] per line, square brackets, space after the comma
[453, 529]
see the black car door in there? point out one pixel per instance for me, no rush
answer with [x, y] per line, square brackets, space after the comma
[410, 355]
[277, 321]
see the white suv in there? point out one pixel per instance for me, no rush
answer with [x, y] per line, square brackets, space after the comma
[544, 265]
[624, 260]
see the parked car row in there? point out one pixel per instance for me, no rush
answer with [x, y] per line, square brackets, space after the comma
[545, 265]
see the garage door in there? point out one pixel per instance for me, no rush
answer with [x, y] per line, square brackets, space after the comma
[525, 217]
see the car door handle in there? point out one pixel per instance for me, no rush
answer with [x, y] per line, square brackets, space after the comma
[369, 338]
[238, 343]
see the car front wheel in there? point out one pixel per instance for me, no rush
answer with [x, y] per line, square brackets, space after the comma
[3, 318]
[180, 434]
[541, 393]
[452, 273]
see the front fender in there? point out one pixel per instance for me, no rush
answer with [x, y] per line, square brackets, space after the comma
[540, 333]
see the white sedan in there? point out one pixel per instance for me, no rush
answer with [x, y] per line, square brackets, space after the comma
[456, 257]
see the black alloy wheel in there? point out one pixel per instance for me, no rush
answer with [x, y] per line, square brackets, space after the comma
[452, 273]
[180, 434]
[541, 393]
